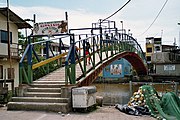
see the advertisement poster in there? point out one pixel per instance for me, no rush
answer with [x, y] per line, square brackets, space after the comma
[50, 28]
[116, 69]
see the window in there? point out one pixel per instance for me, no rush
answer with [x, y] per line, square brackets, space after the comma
[148, 58]
[1, 72]
[4, 36]
[10, 73]
[157, 48]
[149, 50]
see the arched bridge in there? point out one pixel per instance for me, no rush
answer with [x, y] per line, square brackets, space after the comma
[107, 44]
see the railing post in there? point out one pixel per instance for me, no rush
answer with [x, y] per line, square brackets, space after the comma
[29, 57]
[47, 54]
[119, 44]
[66, 73]
[111, 48]
[79, 53]
[107, 48]
[101, 38]
[60, 48]
[73, 61]
[85, 57]
[94, 58]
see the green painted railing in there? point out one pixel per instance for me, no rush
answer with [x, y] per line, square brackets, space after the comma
[33, 61]
[106, 42]
[101, 49]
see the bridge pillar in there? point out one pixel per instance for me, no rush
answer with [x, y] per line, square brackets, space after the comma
[66, 92]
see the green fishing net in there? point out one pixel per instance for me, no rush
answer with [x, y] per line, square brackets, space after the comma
[166, 107]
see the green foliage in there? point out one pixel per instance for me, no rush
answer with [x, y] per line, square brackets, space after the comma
[22, 43]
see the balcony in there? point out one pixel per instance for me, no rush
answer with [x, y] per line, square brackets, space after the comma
[13, 48]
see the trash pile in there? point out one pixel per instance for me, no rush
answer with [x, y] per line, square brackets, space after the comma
[147, 102]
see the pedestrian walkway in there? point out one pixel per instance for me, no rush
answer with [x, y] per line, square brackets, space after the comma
[101, 113]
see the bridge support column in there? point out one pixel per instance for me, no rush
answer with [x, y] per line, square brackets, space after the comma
[66, 92]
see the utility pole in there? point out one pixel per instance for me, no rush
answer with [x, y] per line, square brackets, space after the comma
[9, 42]
[66, 15]
[179, 35]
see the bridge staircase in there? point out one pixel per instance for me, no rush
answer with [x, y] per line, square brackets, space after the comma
[43, 94]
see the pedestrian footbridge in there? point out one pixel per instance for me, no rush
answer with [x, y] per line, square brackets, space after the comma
[46, 74]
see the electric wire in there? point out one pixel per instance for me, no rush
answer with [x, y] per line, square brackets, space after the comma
[155, 18]
[116, 11]
[101, 21]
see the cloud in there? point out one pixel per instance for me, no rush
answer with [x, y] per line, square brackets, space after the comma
[77, 18]
[137, 16]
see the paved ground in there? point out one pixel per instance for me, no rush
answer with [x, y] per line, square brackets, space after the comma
[102, 113]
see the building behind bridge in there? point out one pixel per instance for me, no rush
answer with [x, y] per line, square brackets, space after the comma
[163, 60]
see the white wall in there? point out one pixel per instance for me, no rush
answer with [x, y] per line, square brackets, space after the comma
[4, 49]
[15, 65]
[12, 28]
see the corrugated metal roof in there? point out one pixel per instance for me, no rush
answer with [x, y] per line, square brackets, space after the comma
[15, 19]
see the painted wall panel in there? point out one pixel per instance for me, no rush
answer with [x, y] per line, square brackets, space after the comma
[117, 69]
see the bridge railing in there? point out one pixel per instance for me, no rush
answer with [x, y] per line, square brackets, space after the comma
[105, 43]
[41, 57]
[103, 47]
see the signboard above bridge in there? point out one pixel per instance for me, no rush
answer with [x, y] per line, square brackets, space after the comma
[50, 28]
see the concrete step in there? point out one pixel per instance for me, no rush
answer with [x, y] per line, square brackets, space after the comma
[54, 107]
[41, 94]
[60, 78]
[40, 99]
[47, 85]
[48, 82]
[53, 90]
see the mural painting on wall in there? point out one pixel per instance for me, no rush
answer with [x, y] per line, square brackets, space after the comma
[116, 69]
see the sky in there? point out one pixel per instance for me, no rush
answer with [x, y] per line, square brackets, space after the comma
[137, 15]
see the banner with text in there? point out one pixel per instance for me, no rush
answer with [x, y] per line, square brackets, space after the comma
[50, 28]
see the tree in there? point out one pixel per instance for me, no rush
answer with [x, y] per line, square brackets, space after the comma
[22, 42]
